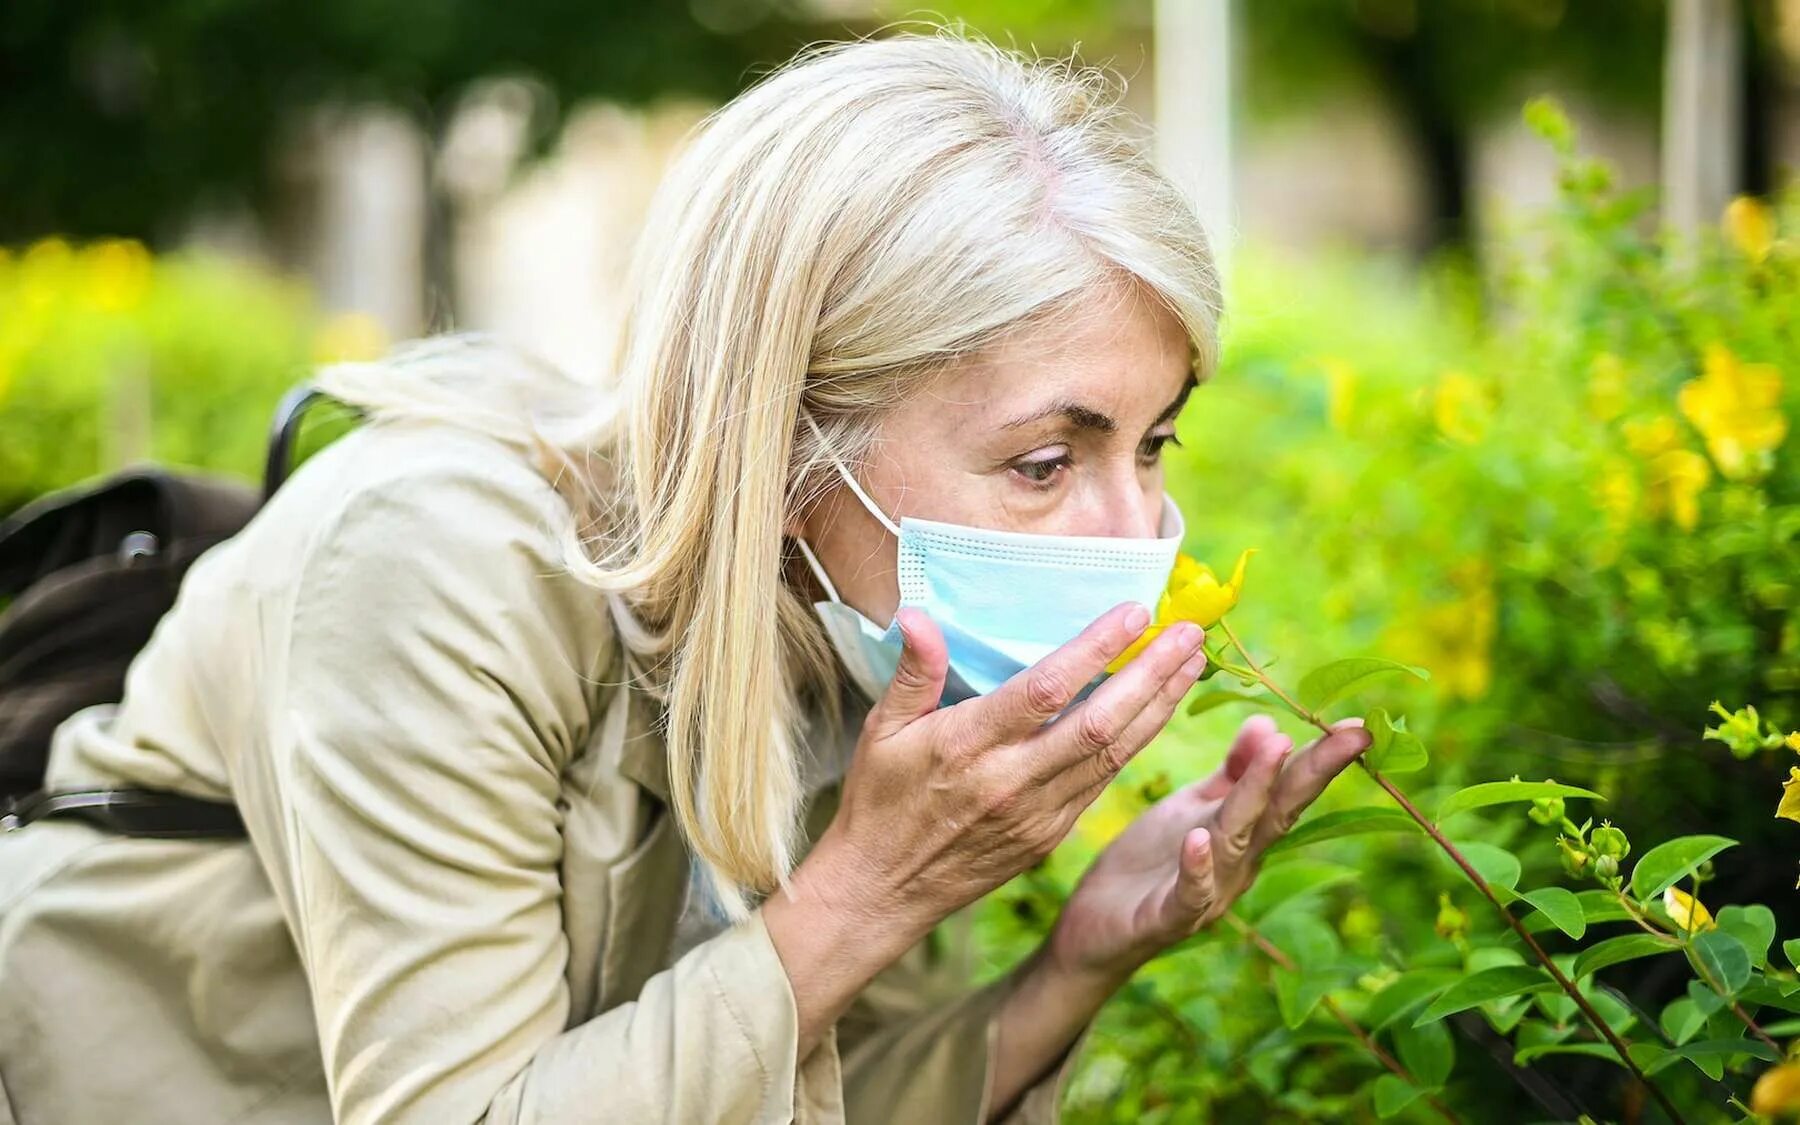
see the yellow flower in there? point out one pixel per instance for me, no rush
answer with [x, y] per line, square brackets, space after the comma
[1750, 226]
[1616, 494]
[1460, 406]
[1194, 593]
[1676, 481]
[1607, 386]
[1689, 913]
[1454, 638]
[119, 274]
[1793, 741]
[1648, 437]
[1777, 1092]
[1340, 393]
[1789, 808]
[1737, 409]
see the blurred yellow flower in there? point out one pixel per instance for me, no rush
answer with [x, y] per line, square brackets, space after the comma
[1607, 387]
[1777, 1091]
[1455, 638]
[1789, 808]
[1460, 405]
[1616, 494]
[349, 336]
[118, 274]
[1340, 400]
[1793, 741]
[1650, 436]
[1194, 593]
[1688, 912]
[1676, 480]
[1750, 226]
[1105, 819]
[1737, 409]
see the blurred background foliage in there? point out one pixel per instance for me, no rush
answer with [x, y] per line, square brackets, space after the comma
[1545, 455]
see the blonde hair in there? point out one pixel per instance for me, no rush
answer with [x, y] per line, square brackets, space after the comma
[867, 214]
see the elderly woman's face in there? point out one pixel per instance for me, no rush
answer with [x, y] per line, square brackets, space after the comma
[1058, 432]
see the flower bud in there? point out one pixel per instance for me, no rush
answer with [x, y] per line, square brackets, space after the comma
[1606, 868]
[1574, 860]
[1609, 841]
[1452, 922]
[1546, 810]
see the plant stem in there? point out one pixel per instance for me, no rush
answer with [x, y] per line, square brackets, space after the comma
[1581, 1002]
[1737, 1009]
[1273, 952]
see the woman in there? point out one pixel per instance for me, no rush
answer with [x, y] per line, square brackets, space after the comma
[538, 704]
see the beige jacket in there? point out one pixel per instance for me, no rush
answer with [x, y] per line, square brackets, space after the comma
[459, 897]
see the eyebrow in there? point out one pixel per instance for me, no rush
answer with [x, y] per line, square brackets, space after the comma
[1087, 418]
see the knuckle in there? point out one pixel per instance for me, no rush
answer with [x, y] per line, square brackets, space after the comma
[1095, 730]
[1046, 691]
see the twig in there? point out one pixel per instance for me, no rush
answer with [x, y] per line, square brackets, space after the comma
[1273, 952]
[1587, 1010]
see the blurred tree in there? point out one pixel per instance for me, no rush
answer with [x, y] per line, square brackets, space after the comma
[120, 118]
[1446, 66]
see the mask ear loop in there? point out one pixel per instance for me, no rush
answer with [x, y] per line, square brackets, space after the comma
[812, 560]
[848, 479]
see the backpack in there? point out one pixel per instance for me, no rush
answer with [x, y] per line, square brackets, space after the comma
[90, 570]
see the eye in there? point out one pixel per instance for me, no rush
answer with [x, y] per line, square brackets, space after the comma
[1041, 471]
[1150, 452]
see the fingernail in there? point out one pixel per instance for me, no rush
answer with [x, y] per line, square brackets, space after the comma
[1188, 634]
[1137, 619]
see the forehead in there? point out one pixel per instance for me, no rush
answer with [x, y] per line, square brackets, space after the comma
[1120, 351]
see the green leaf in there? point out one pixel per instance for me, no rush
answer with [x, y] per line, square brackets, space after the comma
[1297, 994]
[1625, 947]
[1525, 1055]
[1724, 957]
[1393, 1094]
[1281, 884]
[1344, 822]
[1207, 702]
[1681, 1019]
[1408, 991]
[1754, 926]
[1561, 907]
[1329, 683]
[1705, 1000]
[1309, 941]
[1675, 859]
[1722, 1050]
[1427, 1051]
[1499, 867]
[1791, 947]
[1596, 906]
[1506, 792]
[1488, 984]
[1393, 748]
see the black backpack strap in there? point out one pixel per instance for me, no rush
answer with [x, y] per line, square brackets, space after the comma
[130, 812]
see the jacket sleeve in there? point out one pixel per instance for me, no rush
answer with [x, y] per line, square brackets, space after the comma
[916, 1047]
[434, 682]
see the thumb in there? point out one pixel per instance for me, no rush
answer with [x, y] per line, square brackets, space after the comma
[918, 681]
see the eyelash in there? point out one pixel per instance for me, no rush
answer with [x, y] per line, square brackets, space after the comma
[1148, 454]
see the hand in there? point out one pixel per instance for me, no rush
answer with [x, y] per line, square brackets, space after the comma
[1187, 858]
[940, 806]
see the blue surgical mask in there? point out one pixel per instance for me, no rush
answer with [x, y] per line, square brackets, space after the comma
[1003, 599]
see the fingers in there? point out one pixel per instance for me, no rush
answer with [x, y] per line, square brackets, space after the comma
[1088, 746]
[918, 682]
[1018, 707]
[1196, 887]
[1244, 806]
[1308, 774]
[1252, 733]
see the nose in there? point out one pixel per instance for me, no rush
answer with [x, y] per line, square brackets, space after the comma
[1126, 510]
